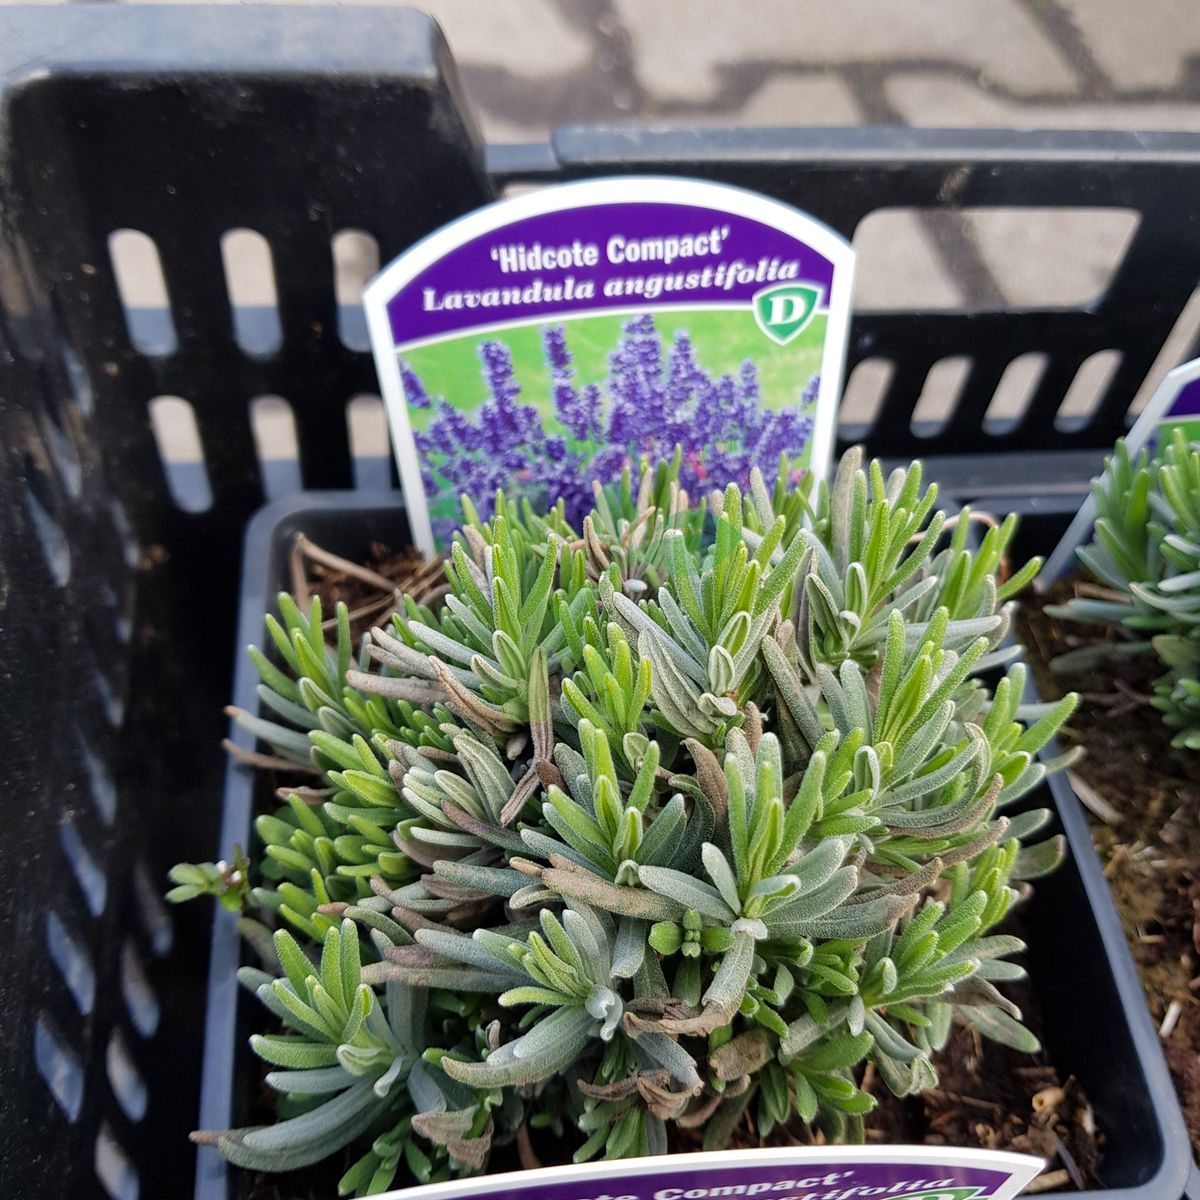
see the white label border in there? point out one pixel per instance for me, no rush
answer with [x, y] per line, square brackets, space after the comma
[626, 189]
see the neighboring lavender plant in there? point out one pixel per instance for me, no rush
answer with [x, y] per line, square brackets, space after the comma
[1146, 552]
[657, 400]
[658, 824]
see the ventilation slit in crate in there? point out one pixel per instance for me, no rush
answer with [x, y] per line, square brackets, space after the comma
[74, 962]
[182, 455]
[122, 623]
[940, 259]
[274, 427]
[1013, 393]
[130, 554]
[55, 549]
[112, 703]
[902, 264]
[939, 397]
[60, 1067]
[355, 261]
[114, 1168]
[1087, 390]
[139, 996]
[143, 292]
[100, 785]
[250, 284]
[63, 455]
[863, 398]
[152, 910]
[369, 445]
[125, 1079]
[16, 304]
[77, 379]
[1176, 349]
[88, 872]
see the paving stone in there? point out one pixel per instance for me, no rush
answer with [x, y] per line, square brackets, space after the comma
[790, 99]
[784, 98]
[531, 38]
[934, 101]
[1143, 45]
[680, 51]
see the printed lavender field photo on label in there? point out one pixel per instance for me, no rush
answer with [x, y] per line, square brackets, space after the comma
[558, 338]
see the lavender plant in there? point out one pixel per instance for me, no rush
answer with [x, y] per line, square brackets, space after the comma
[670, 821]
[657, 399]
[1146, 552]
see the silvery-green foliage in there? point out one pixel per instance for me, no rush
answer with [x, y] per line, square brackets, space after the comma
[353, 1054]
[677, 818]
[1145, 550]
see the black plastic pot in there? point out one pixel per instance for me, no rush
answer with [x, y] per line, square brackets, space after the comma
[1096, 1026]
[1044, 519]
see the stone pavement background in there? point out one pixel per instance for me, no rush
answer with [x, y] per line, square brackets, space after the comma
[528, 65]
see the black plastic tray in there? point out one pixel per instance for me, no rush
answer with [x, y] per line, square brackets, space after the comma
[1096, 1025]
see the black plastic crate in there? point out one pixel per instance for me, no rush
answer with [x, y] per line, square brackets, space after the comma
[118, 584]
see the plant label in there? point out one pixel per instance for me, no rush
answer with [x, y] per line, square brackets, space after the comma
[794, 1173]
[1176, 403]
[557, 338]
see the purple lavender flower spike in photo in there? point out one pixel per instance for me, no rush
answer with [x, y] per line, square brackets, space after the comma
[653, 400]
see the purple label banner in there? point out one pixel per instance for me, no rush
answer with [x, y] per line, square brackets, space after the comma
[804, 1173]
[1185, 406]
[582, 259]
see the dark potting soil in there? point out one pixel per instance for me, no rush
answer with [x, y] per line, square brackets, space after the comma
[1145, 824]
[988, 1095]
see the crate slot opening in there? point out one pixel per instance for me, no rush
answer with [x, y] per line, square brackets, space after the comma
[88, 873]
[178, 438]
[370, 448]
[122, 623]
[60, 442]
[939, 396]
[55, 549]
[152, 911]
[1182, 343]
[274, 427]
[142, 288]
[114, 1168]
[16, 302]
[125, 1079]
[355, 262]
[112, 703]
[1013, 393]
[80, 386]
[1087, 390]
[140, 1000]
[60, 1067]
[250, 285]
[100, 783]
[130, 554]
[73, 961]
[942, 259]
[863, 399]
